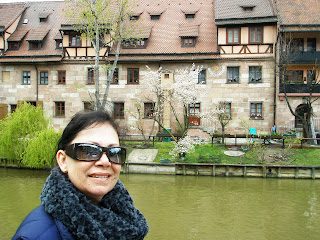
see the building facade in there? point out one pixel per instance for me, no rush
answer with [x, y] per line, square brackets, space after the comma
[45, 61]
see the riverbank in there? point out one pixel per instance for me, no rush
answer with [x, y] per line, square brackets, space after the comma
[216, 170]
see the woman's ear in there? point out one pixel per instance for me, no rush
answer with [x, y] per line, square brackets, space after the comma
[61, 157]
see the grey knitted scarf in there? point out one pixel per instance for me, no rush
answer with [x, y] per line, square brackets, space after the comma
[114, 218]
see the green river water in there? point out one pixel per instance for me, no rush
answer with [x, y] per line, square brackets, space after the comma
[189, 207]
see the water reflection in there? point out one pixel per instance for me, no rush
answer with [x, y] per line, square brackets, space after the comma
[187, 207]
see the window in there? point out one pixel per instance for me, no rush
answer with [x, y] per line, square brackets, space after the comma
[228, 110]
[190, 16]
[247, 8]
[118, 110]
[13, 108]
[154, 17]
[26, 77]
[5, 76]
[256, 110]
[255, 35]
[13, 46]
[75, 40]
[59, 109]
[194, 109]
[294, 77]
[311, 45]
[134, 17]
[202, 77]
[297, 44]
[42, 19]
[233, 35]
[133, 76]
[188, 42]
[87, 106]
[135, 44]
[166, 75]
[34, 45]
[61, 77]
[59, 44]
[255, 74]
[148, 110]
[90, 76]
[44, 78]
[115, 79]
[232, 74]
[311, 76]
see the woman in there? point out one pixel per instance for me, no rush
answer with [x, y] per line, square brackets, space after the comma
[83, 197]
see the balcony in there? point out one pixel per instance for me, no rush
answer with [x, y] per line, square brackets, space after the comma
[299, 88]
[306, 57]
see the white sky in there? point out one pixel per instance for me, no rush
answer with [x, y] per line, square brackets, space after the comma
[8, 1]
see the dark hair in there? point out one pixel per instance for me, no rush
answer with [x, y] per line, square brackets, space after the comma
[82, 120]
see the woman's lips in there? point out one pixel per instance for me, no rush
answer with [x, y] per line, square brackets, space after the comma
[100, 175]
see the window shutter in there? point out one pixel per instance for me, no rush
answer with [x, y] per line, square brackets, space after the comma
[3, 110]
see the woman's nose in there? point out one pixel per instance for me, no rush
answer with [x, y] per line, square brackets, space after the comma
[103, 160]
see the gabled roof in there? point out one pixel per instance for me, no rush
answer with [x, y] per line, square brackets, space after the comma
[9, 13]
[244, 11]
[34, 30]
[299, 15]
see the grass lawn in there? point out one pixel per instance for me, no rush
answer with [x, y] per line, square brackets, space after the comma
[215, 154]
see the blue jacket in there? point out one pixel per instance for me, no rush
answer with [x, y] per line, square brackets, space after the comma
[39, 225]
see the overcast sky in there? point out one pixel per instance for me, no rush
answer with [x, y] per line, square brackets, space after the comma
[8, 1]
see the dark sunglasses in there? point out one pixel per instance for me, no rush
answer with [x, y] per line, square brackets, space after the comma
[92, 152]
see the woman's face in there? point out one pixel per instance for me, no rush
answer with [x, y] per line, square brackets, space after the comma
[94, 178]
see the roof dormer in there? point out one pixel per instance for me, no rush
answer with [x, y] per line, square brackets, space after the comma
[247, 8]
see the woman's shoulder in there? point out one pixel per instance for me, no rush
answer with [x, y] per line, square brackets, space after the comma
[41, 225]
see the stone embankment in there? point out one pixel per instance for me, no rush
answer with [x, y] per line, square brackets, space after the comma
[141, 161]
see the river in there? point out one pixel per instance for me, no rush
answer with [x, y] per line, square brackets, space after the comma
[191, 207]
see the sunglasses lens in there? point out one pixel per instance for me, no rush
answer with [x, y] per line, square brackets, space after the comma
[117, 155]
[88, 152]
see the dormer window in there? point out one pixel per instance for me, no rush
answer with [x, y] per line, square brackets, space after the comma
[13, 46]
[25, 21]
[154, 17]
[59, 44]
[43, 16]
[190, 16]
[36, 38]
[135, 44]
[188, 41]
[134, 17]
[34, 45]
[247, 8]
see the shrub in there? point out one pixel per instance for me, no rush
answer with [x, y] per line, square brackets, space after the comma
[40, 150]
[17, 128]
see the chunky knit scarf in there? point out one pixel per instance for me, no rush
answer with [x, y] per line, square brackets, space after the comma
[114, 218]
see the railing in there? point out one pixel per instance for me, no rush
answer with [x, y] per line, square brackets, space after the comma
[306, 57]
[299, 88]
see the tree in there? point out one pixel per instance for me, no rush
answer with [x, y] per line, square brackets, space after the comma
[289, 52]
[106, 24]
[180, 93]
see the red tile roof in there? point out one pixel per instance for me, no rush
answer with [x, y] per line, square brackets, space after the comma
[37, 31]
[299, 13]
[165, 38]
[233, 11]
[9, 13]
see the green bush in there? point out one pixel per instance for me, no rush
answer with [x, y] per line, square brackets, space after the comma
[17, 128]
[40, 150]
